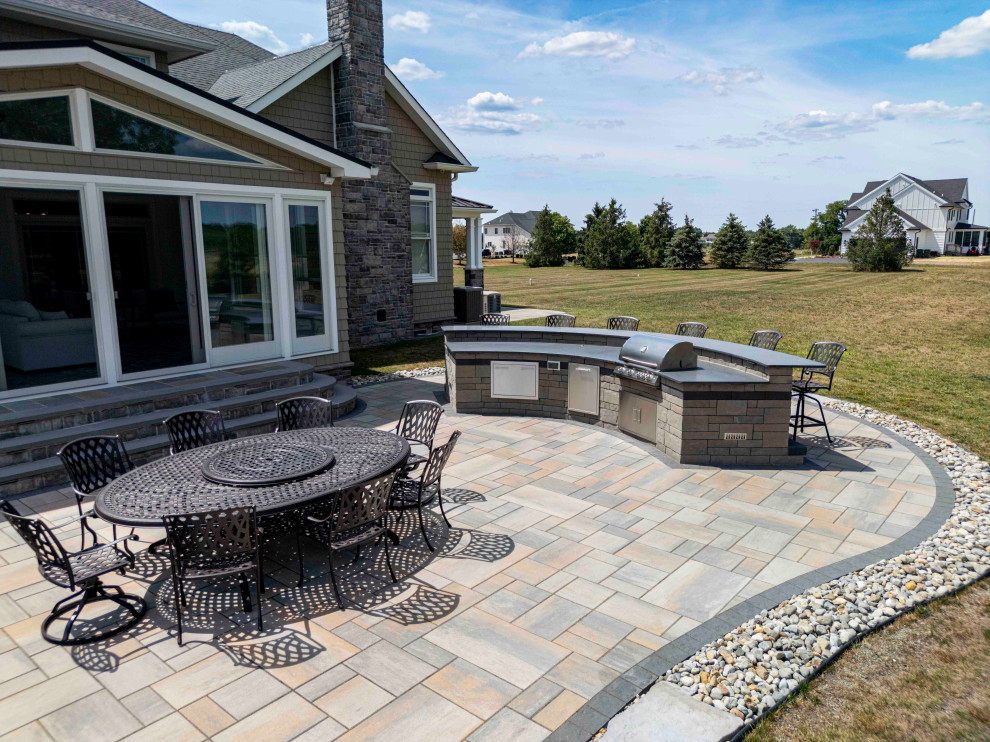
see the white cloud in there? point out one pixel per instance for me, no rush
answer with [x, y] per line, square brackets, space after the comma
[536, 101]
[950, 141]
[493, 102]
[826, 158]
[306, 39]
[592, 156]
[607, 44]
[534, 174]
[728, 140]
[411, 20]
[969, 38]
[411, 69]
[932, 110]
[722, 79]
[260, 35]
[600, 123]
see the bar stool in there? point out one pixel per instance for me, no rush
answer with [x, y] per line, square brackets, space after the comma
[829, 354]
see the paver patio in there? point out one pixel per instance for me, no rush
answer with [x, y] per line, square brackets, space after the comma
[574, 554]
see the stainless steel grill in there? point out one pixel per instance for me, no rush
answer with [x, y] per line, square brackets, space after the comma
[643, 358]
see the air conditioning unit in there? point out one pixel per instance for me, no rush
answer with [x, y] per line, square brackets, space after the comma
[492, 302]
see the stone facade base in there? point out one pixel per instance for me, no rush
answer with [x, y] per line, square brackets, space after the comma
[474, 277]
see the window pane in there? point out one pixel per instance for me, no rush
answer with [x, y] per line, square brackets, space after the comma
[41, 120]
[238, 282]
[307, 275]
[420, 221]
[421, 257]
[117, 129]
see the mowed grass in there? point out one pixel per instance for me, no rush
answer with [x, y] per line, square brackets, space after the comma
[919, 341]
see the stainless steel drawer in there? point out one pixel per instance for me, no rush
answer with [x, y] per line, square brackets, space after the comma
[582, 388]
[638, 416]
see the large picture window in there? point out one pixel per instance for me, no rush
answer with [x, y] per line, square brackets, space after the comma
[423, 231]
[117, 129]
[36, 120]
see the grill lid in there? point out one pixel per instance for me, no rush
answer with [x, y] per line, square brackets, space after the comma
[658, 354]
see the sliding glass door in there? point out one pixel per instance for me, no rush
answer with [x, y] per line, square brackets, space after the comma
[310, 276]
[238, 280]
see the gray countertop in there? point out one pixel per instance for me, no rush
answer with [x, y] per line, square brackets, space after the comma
[770, 358]
[706, 373]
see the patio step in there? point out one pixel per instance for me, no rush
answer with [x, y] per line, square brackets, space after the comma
[29, 462]
[85, 407]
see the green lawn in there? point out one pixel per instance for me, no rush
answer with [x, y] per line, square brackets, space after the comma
[919, 341]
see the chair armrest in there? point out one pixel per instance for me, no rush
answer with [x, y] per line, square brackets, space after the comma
[56, 525]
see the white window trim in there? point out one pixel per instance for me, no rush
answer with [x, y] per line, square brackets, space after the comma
[147, 56]
[257, 161]
[430, 277]
[73, 119]
[91, 188]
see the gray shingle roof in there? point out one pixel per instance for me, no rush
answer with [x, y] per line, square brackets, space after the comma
[467, 203]
[854, 214]
[231, 51]
[129, 12]
[951, 190]
[244, 85]
[524, 220]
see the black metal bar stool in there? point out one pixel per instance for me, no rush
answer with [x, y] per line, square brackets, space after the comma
[828, 353]
[622, 322]
[691, 329]
[766, 339]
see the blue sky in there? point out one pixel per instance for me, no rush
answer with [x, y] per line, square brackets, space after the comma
[750, 107]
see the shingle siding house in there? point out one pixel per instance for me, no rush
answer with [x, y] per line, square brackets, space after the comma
[510, 228]
[937, 214]
[175, 198]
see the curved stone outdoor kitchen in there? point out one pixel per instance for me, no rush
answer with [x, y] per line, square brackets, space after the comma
[583, 567]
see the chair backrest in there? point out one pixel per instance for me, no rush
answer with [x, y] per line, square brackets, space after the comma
[300, 413]
[829, 353]
[188, 430]
[692, 329]
[418, 421]
[766, 339]
[361, 504]
[560, 320]
[198, 538]
[94, 462]
[438, 460]
[494, 318]
[622, 323]
[42, 540]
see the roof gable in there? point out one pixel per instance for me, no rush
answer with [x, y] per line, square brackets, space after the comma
[258, 85]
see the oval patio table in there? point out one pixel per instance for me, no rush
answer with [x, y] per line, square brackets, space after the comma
[274, 473]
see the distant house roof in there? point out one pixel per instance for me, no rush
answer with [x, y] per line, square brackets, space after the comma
[246, 85]
[966, 225]
[466, 203]
[525, 220]
[950, 190]
[854, 215]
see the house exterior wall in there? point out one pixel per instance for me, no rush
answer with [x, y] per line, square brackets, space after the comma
[307, 109]
[500, 241]
[432, 302]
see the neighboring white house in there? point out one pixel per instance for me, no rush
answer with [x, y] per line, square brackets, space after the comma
[502, 231]
[937, 214]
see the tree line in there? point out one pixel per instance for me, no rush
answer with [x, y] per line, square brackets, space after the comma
[608, 241]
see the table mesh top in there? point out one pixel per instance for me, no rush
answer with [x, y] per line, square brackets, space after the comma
[175, 484]
[255, 464]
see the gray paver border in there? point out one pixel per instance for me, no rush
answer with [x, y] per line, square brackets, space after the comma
[587, 720]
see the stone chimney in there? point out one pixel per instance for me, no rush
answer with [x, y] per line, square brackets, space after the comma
[377, 246]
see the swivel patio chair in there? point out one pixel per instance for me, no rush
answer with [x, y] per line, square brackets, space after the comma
[411, 493]
[300, 413]
[92, 463]
[766, 339]
[691, 329]
[210, 544]
[189, 430]
[494, 318]
[830, 354]
[79, 571]
[559, 320]
[418, 425]
[356, 516]
[622, 323]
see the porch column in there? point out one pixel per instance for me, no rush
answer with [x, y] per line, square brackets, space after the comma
[474, 272]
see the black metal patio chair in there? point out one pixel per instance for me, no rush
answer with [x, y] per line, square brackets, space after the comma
[766, 339]
[188, 430]
[358, 515]
[494, 318]
[300, 413]
[411, 493]
[92, 463]
[418, 425]
[211, 544]
[80, 572]
[622, 322]
[828, 353]
[559, 320]
[691, 329]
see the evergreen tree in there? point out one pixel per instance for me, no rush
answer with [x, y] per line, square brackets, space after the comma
[686, 250]
[608, 243]
[553, 236]
[880, 243]
[768, 249]
[731, 243]
[656, 230]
